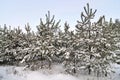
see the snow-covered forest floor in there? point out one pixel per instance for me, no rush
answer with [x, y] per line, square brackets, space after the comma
[56, 73]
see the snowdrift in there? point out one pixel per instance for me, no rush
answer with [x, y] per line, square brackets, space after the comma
[56, 73]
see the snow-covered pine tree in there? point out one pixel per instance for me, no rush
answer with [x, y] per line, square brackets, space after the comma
[11, 43]
[66, 49]
[43, 49]
[84, 38]
[28, 45]
[94, 48]
[3, 43]
[47, 34]
[115, 34]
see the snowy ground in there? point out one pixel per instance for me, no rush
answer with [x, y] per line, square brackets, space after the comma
[17, 73]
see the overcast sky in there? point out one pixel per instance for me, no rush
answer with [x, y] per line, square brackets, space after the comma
[19, 12]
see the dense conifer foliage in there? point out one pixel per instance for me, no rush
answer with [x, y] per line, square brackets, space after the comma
[90, 47]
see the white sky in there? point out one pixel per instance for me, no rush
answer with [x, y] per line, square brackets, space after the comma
[19, 12]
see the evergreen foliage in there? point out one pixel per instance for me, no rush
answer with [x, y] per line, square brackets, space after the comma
[90, 47]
